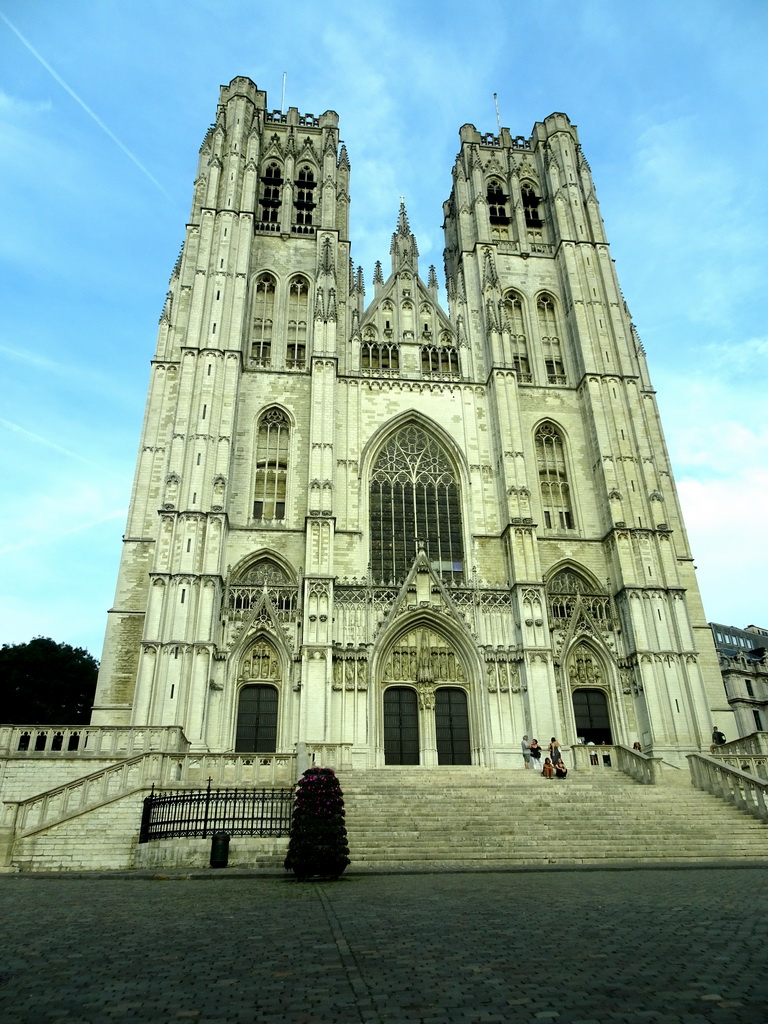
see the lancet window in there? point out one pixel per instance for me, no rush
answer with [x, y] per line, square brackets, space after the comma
[414, 500]
[304, 202]
[553, 479]
[271, 195]
[513, 305]
[531, 203]
[272, 449]
[550, 341]
[298, 312]
[263, 320]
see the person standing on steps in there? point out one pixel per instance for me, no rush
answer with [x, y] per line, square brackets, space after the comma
[535, 755]
[554, 750]
[526, 749]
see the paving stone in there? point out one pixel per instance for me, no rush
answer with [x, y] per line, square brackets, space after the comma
[611, 947]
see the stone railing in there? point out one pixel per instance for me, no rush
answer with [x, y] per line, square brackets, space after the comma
[591, 756]
[639, 766]
[89, 740]
[753, 764]
[755, 743]
[163, 770]
[745, 791]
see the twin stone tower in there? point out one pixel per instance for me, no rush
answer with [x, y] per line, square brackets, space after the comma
[395, 533]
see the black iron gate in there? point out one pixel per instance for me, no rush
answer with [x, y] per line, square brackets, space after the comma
[201, 812]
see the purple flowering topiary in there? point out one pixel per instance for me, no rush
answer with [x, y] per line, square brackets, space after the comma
[318, 844]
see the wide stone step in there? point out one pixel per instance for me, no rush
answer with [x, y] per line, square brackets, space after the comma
[449, 819]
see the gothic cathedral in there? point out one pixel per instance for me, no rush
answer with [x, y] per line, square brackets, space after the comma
[405, 534]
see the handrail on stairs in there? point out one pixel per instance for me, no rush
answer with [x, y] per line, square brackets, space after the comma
[736, 786]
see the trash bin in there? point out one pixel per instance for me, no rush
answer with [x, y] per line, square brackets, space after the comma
[219, 849]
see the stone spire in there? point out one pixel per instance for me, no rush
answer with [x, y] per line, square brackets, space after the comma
[404, 250]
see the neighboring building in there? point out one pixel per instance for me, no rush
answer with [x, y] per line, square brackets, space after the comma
[745, 674]
[407, 533]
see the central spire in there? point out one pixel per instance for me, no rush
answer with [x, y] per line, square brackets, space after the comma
[404, 251]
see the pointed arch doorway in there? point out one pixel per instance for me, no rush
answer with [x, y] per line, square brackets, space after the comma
[257, 702]
[426, 715]
[591, 710]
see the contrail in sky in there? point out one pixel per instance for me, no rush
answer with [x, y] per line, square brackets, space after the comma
[84, 105]
[38, 439]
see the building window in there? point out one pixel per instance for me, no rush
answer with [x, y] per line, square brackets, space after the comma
[550, 341]
[271, 195]
[414, 499]
[304, 202]
[263, 320]
[271, 466]
[750, 689]
[569, 588]
[513, 307]
[553, 479]
[531, 206]
[377, 356]
[758, 720]
[440, 359]
[298, 311]
[497, 203]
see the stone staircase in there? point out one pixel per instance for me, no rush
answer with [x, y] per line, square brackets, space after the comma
[468, 818]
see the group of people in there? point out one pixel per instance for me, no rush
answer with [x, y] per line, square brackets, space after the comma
[553, 767]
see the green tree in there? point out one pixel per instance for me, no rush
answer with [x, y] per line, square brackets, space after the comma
[45, 683]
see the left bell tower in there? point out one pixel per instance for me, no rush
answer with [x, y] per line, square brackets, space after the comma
[256, 304]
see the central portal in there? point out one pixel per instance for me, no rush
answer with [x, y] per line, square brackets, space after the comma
[425, 702]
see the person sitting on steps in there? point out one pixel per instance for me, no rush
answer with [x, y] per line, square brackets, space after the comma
[548, 771]
[560, 770]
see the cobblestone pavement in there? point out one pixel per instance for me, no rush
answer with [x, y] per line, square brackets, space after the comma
[577, 947]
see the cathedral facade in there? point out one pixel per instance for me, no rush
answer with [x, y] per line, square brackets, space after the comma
[408, 533]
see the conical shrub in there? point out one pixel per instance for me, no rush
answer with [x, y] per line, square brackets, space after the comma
[318, 845]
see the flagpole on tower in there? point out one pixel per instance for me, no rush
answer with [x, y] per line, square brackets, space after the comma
[498, 119]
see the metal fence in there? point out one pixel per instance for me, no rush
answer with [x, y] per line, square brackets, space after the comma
[201, 812]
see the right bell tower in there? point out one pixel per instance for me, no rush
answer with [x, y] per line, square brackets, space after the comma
[580, 460]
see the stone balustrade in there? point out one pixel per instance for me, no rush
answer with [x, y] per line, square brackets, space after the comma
[89, 740]
[639, 766]
[740, 788]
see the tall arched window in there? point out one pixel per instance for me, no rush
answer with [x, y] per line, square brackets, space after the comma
[553, 479]
[414, 497]
[531, 205]
[304, 202]
[271, 465]
[550, 341]
[298, 311]
[271, 195]
[513, 304]
[263, 320]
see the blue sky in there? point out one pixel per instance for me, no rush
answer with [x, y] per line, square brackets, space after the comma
[103, 106]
